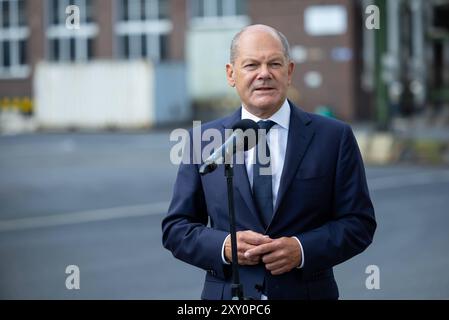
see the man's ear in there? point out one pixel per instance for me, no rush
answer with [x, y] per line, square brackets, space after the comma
[230, 74]
[291, 68]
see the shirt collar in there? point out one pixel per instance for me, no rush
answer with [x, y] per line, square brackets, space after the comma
[281, 117]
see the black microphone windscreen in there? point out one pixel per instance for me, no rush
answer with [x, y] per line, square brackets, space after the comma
[249, 128]
[245, 124]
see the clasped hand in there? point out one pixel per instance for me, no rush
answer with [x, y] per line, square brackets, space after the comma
[279, 255]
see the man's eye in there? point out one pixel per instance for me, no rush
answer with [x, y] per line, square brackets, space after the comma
[276, 64]
[250, 65]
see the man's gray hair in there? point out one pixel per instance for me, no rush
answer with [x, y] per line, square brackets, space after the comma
[235, 40]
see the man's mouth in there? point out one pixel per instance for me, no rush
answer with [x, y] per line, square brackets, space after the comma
[263, 89]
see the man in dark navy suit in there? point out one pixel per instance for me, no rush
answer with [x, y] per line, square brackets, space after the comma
[310, 213]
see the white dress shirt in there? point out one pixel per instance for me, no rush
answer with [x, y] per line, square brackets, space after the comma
[277, 142]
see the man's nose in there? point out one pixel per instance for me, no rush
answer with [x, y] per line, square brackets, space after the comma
[264, 72]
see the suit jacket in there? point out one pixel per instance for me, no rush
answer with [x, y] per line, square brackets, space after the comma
[323, 200]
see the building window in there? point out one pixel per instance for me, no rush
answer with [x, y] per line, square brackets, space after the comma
[13, 39]
[142, 29]
[68, 44]
[217, 13]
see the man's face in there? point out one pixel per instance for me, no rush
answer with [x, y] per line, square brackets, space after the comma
[261, 73]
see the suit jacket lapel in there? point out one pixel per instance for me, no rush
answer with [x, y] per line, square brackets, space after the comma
[300, 134]
[240, 175]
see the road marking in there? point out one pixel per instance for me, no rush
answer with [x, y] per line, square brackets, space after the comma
[375, 184]
[85, 216]
[414, 179]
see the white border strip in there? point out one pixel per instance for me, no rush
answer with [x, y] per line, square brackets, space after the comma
[415, 179]
[85, 216]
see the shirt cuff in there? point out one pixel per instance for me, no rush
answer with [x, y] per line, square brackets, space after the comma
[223, 248]
[302, 254]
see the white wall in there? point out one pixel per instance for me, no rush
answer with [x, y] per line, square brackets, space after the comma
[207, 52]
[104, 94]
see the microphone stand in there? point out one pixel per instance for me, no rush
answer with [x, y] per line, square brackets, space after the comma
[236, 286]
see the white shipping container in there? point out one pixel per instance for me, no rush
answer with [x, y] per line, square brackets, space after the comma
[105, 94]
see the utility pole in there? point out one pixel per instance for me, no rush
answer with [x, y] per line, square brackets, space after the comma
[382, 107]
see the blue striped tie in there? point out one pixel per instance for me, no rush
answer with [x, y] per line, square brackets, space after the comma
[262, 184]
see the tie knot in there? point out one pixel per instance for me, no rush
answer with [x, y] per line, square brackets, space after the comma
[266, 124]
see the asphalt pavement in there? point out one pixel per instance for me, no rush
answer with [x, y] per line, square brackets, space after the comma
[96, 201]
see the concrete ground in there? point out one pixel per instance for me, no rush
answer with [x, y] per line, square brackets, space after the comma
[96, 201]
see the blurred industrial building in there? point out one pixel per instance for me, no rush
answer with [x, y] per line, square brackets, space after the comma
[144, 63]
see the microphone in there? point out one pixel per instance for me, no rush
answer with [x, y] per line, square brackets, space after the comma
[240, 139]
